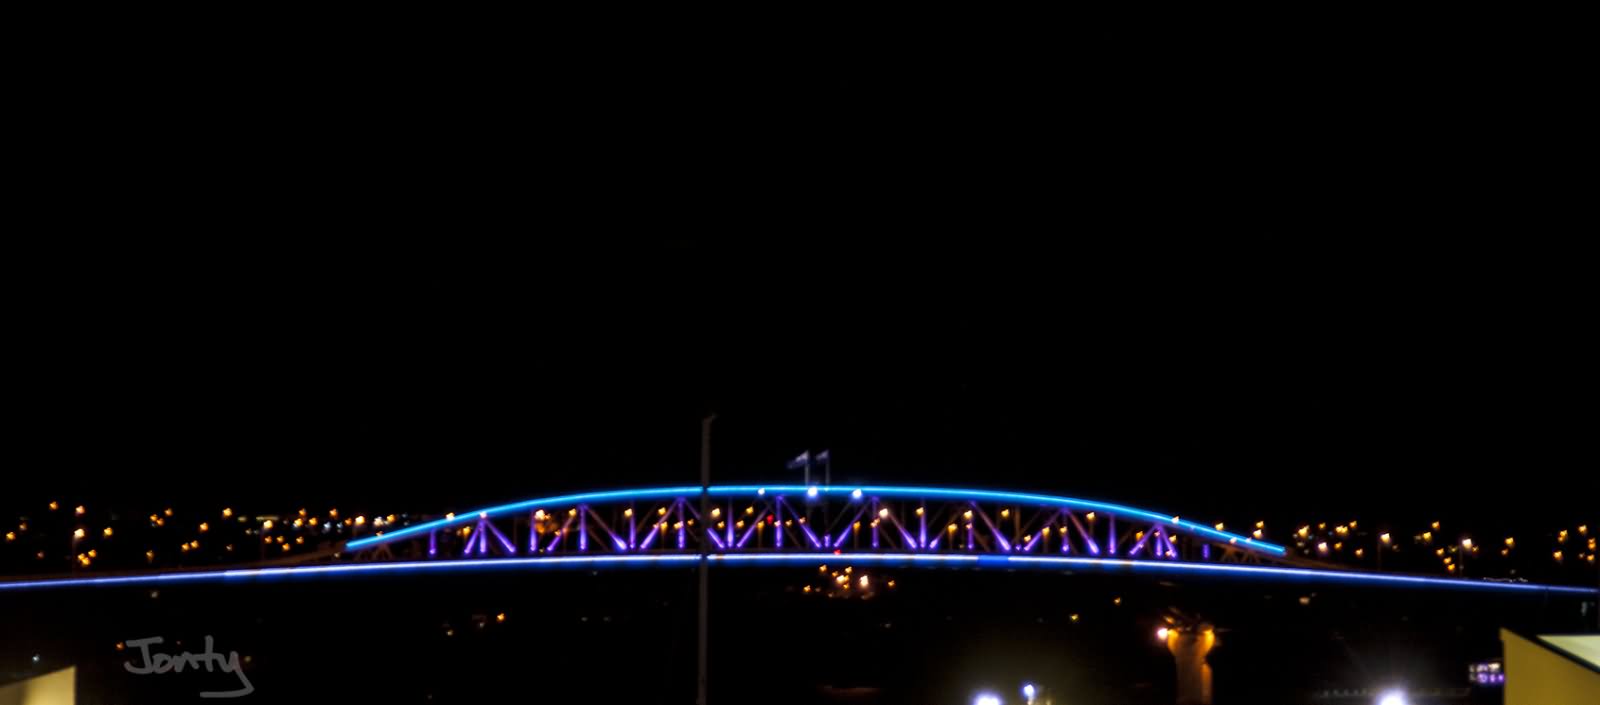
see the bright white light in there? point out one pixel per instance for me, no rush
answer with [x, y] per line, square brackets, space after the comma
[1393, 697]
[811, 492]
[986, 699]
[1162, 633]
[1028, 692]
[856, 494]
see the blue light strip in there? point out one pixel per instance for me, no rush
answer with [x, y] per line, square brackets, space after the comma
[910, 492]
[761, 559]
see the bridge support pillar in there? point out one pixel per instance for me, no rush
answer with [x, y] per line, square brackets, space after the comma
[1189, 648]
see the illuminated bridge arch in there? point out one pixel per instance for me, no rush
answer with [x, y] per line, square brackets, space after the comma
[789, 519]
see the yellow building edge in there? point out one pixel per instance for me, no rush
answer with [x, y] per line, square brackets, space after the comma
[1539, 672]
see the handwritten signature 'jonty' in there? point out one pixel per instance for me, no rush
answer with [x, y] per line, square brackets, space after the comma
[163, 663]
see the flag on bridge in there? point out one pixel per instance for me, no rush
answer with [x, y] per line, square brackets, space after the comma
[802, 460]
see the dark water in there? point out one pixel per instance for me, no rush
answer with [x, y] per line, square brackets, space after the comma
[628, 636]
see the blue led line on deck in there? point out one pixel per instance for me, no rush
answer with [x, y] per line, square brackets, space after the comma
[760, 559]
[848, 490]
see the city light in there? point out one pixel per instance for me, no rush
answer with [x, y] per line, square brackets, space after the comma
[1161, 634]
[987, 699]
[1029, 692]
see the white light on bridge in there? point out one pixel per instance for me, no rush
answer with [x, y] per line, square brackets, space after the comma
[1393, 697]
[987, 699]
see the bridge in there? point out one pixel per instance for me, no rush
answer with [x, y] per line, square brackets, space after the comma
[756, 525]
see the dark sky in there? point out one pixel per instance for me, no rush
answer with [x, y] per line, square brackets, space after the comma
[1240, 379]
[1200, 273]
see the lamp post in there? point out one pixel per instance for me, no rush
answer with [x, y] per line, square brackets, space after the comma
[705, 550]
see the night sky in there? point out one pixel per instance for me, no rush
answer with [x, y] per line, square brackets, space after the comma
[1287, 276]
[1239, 379]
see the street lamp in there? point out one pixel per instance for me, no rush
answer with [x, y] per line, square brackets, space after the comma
[987, 699]
[1028, 693]
[1393, 697]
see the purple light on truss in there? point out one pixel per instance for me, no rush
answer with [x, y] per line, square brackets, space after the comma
[716, 540]
[904, 535]
[848, 527]
[633, 527]
[1004, 544]
[932, 545]
[587, 512]
[922, 528]
[1205, 552]
[556, 540]
[1111, 542]
[728, 523]
[844, 534]
[583, 529]
[777, 522]
[1029, 547]
[1066, 532]
[433, 543]
[969, 535]
[1162, 548]
[650, 538]
[511, 550]
[811, 535]
[1088, 538]
[1137, 547]
[748, 533]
